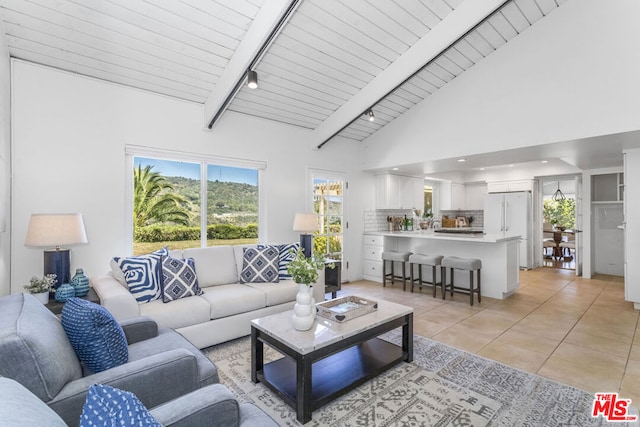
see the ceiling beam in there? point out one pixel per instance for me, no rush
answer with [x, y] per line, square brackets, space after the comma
[459, 22]
[263, 30]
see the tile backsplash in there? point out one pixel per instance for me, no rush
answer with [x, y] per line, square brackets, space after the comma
[476, 215]
[376, 219]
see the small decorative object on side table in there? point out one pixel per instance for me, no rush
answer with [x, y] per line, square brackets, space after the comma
[56, 307]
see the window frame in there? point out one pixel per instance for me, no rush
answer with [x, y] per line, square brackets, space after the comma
[203, 160]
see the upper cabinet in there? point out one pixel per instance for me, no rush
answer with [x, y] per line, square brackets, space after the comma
[399, 192]
[509, 186]
[608, 187]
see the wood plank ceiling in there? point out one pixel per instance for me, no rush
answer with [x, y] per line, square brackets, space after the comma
[327, 52]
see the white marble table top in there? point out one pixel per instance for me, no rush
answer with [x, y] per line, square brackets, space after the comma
[324, 331]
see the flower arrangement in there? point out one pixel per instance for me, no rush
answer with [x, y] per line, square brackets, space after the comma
[37, 286]
[305, 270]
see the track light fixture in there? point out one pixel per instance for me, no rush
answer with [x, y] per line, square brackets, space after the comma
[252, 79]
[370, 115]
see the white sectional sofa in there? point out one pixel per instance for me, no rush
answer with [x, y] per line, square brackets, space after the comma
[224, 310]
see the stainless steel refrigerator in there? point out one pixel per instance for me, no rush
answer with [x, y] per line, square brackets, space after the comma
[509, 214]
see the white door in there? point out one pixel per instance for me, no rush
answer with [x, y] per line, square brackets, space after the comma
[518, 214]
[579, 225]
[328, 194]
[494, 213]
[607, 239]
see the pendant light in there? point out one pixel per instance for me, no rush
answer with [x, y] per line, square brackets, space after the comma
[558, 196]
[252, 79]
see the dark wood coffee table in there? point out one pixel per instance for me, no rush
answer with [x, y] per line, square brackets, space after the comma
[331, 358]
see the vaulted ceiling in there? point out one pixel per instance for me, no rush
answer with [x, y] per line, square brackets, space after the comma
[327, 64]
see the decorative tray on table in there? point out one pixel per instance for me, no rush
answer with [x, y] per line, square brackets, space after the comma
[346, 308]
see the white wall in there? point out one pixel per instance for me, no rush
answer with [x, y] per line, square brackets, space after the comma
[5, 171]
[68, 156]
[573, 74]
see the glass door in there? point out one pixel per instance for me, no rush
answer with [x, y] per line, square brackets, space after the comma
[328, 203]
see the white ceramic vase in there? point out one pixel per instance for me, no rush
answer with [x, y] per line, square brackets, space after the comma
[43, 297]
[304, 311]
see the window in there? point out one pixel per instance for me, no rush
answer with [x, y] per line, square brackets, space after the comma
[189, 202]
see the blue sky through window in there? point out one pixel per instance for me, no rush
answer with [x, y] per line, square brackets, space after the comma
[192, 170]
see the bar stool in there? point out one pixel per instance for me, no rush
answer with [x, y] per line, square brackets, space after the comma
[393, 257]
[424, 260]
[468, 264]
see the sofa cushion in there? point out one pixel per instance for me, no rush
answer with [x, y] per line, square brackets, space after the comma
[287, 254]
[108, 406]
[96, 337]
[215, 265]
[179, 279]
[227, 300]
[179, 313]
[168, 339]
[260, 265]
[277, 293]
[33, 335]
[238, 253]
[143, 274]
[20, 407]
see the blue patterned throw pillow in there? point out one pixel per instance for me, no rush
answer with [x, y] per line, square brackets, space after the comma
[179, 279]
[260, 265]
[108, 406]
[96, 337]
[287, 254]
[143, 274]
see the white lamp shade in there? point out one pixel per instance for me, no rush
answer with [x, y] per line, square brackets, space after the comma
[306, 222]
[53, 230]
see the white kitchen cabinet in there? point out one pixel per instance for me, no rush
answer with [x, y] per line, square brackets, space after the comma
[399, 192]
[458, 196]
[475, 196]
[509, 186]
[373, 247]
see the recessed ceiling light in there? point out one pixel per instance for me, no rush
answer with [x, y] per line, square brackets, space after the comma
[394, 169]
[545, 161]
[482, 169]
[462, 160]
[511, 166]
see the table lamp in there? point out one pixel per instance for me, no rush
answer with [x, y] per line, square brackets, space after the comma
[306, 224]
[53, 231]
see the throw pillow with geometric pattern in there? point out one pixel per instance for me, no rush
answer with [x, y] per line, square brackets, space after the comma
[287, 254]
[143, 274]
[179, 279]
[94, 334]
[107, 406]
[260, 265]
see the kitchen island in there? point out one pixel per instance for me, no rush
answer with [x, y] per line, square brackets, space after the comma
[499, 255]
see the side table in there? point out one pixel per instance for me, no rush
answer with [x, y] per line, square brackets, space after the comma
[56, 307]
[332, 277]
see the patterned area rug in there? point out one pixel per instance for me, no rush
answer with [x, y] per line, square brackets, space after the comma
[444, 386]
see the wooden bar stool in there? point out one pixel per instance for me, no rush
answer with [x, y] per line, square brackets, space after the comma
[421, 260]
[393, 257]
[468, 264]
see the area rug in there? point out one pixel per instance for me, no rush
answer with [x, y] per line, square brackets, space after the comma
[443, 386]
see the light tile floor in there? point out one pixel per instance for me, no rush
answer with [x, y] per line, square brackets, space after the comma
[573, 330]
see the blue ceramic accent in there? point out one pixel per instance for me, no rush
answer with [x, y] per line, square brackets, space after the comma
[80, 283]
[64, 292]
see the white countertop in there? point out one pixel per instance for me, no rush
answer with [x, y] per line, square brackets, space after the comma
[429, 234]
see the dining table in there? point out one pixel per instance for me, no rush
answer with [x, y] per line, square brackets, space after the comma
[558, 236]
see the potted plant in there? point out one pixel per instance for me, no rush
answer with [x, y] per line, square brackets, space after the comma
[40, 288]
[304, 271]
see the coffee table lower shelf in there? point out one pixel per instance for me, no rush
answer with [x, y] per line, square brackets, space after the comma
[335, 375]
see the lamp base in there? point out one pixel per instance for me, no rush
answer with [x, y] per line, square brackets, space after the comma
[58, 262]
[306, 243]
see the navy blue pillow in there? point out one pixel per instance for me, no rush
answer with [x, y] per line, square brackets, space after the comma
[107, 406]
[96, 337]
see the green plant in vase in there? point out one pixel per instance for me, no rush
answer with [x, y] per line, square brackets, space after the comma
[40, 287]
